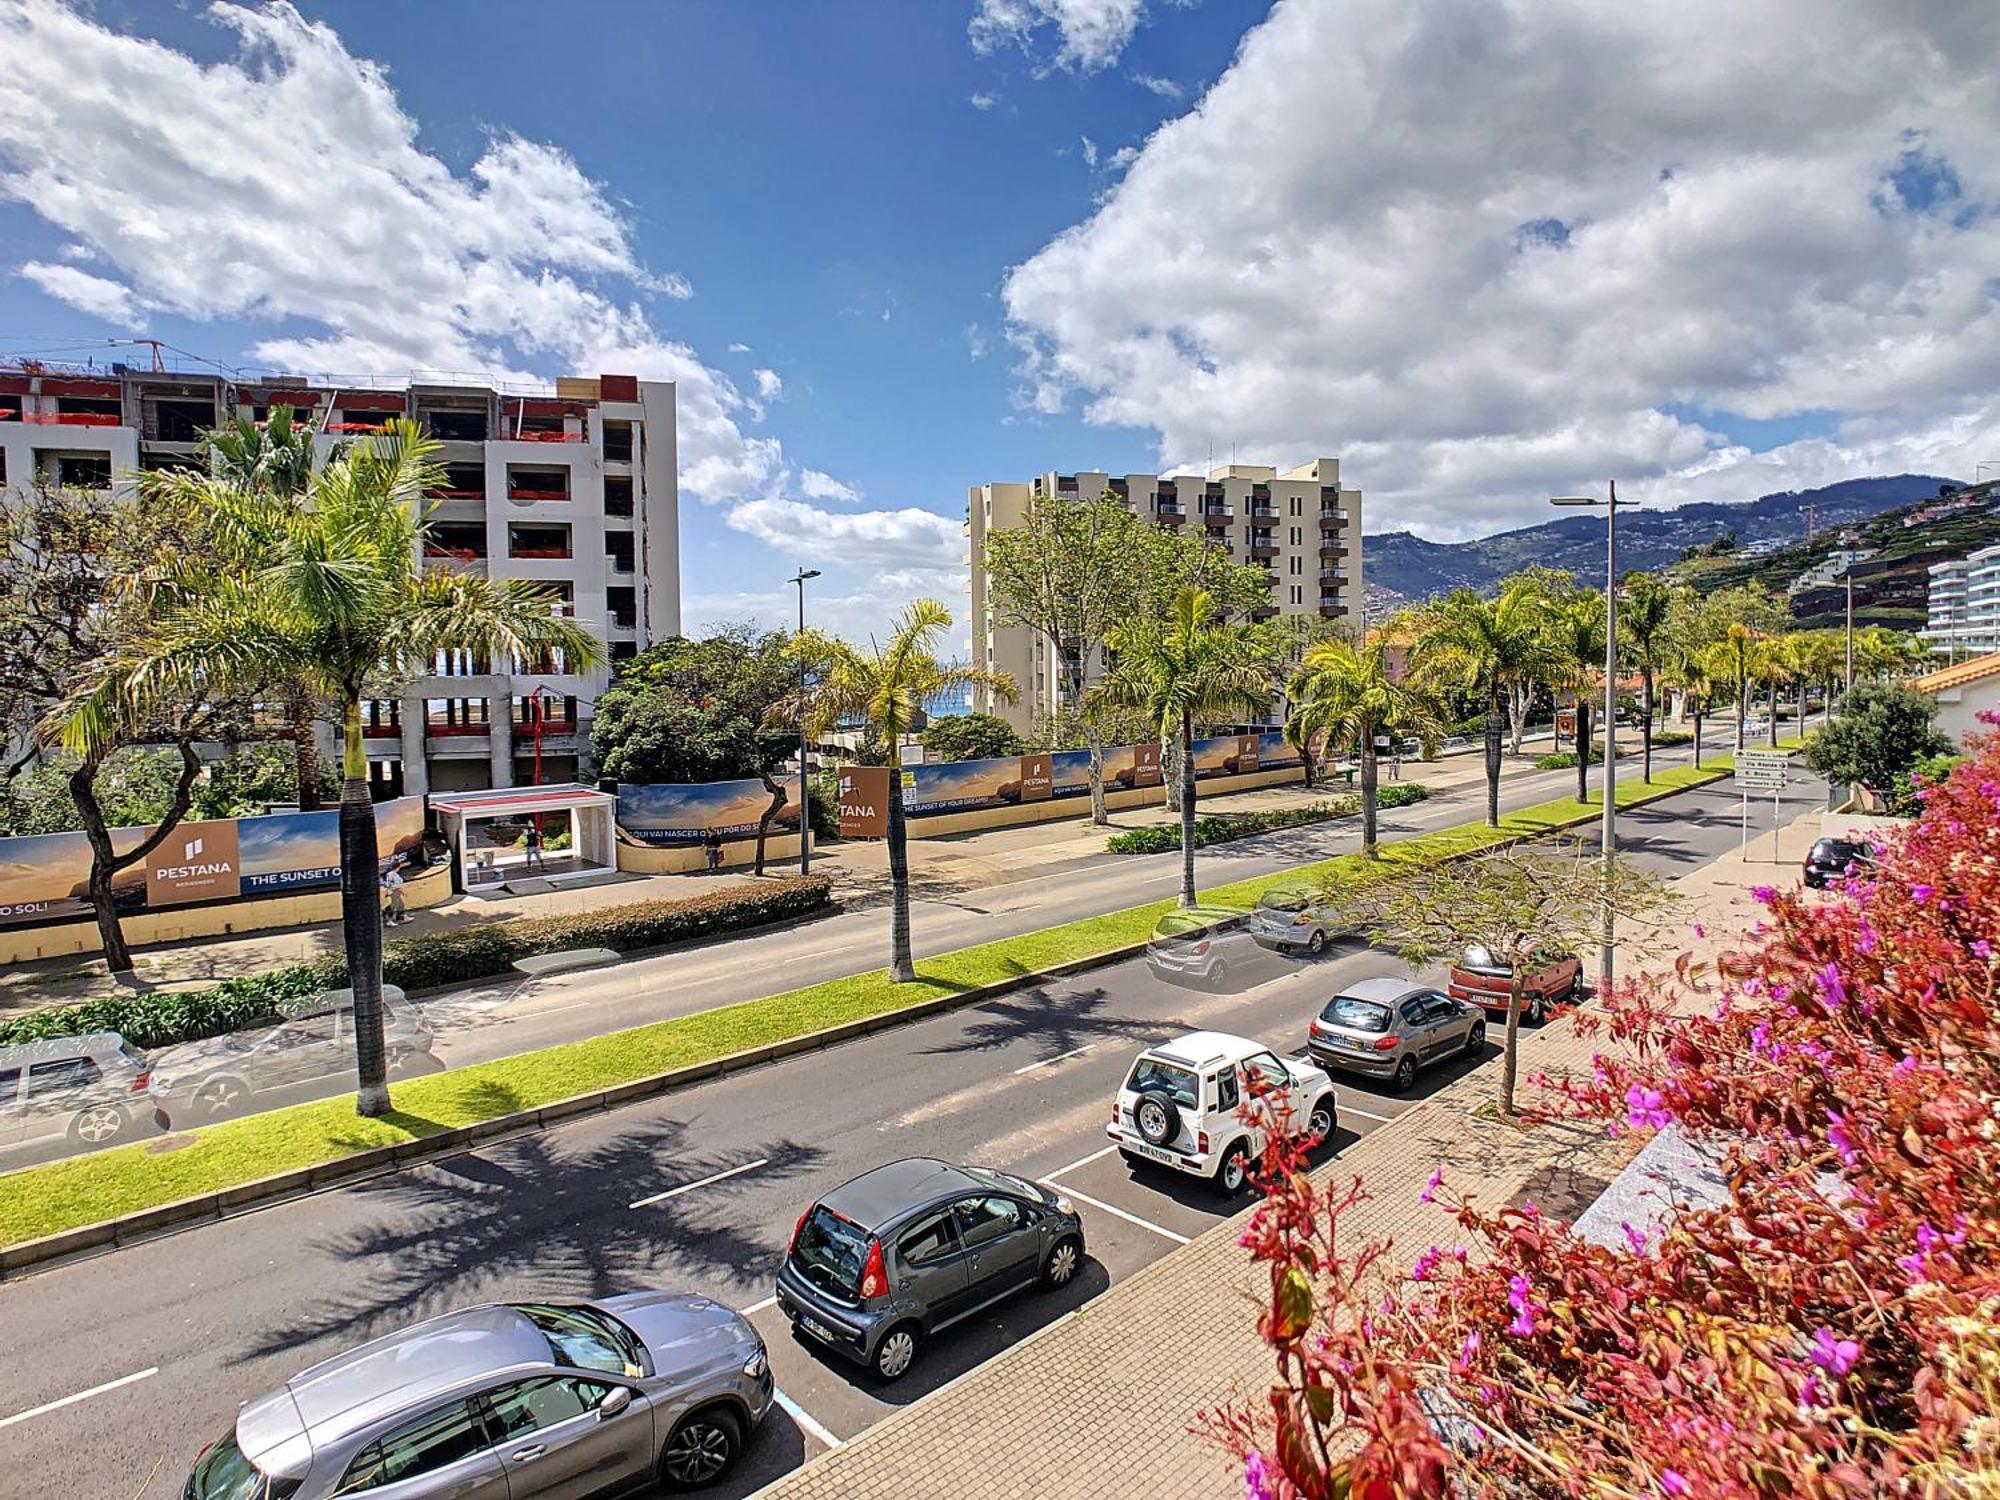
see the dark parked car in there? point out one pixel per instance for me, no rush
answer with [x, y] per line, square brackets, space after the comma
[884, 1262]
[1830, 859]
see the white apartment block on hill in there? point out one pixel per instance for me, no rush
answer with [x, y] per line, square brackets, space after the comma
[1301, 527]
[1964, 605]
[574, 487]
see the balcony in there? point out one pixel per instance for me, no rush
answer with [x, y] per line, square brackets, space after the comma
[528, 494]
[1223, 540]
[1219, 510]
[1262, 547]
[1171, 508]
[456, 731]
[1332, 575]
[1331, 513]
[1332, 611]
[1264, 612]
[73, 419]
[1332, 549]
[1263, 510]
[1169, 518]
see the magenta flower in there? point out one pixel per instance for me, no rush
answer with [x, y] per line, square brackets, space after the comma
[1832, 991]
[1760, 1036]
[1427, 1264]
[1763, 893]
[1646, 1109]
[1636, 1238]
[1257, 1478]
[1833, 1355]
[1671, 1482]
[1524, 1309]
[1982, 949]
[1841, 1138]
[1700, 931]
[1468, 1351]
[1431, 1187]
[1920, 893]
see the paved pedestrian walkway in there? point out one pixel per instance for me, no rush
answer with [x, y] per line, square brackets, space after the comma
[1102, 1402]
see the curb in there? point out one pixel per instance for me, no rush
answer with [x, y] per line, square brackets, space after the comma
[245, 1197]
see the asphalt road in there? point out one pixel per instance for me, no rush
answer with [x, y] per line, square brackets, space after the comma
[523, 1013]
[116, 1370]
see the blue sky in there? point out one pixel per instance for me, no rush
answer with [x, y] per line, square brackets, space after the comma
[892, 248]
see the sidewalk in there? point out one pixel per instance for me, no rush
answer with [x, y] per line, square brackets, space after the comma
[967, 862]
[1113, 1388]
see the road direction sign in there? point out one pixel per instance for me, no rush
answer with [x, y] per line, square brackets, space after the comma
[1762, 771]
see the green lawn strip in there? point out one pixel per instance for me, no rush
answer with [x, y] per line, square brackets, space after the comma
[57, 1196]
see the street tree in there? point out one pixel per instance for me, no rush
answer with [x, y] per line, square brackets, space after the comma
[1882, 730]
[328, 591]
[1342, 693]
[1575, 626]
[1192, 667]
[1646, 612]
[1524, 905]
[971, 737]
[1691, 672]
[1485, 648]
[886, 686]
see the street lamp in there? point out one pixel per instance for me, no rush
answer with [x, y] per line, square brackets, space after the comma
[805, 799]
[1611, 507]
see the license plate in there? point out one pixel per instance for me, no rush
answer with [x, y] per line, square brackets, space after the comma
[819, 1330]
[1348, 1044]
[1152, 1153]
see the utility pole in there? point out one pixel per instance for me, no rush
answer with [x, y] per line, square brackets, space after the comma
[805, 794]
[1850, 627]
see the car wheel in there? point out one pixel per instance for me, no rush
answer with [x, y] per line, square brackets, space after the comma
[1316, 944]
[1475, 1039]
[701, 1449]
[1059, 1268]
[1538, 1011]
[1218, 972]
[220, 1097]
[1234, 1171]
[896, 1353]
[1406, 1075]
[1321, 1119]
[1157, 1117]
[98, 1125]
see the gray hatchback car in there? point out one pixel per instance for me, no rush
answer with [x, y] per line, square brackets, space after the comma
[507, 1402]
[881, 1263]
[1389, 1028]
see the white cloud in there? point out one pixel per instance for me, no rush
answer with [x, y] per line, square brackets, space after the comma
[976, 342]
[1477, 298]
[92, 294]
[1122, 158]
[1166, 88]
[284, 184]
[869, 542]
[1090, 34]
[739, 348]
[983, 101]
[770, 385]
[857, 616]
[1089, 152]
[817, 486]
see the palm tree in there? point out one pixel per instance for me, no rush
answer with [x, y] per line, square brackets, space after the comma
[1692, 671]
[1645, 614]
[1191, 667]
[1344, 692]
[1576, 642]
[886, 686]
[1486, 647]
[328, 591]
[1738, 653]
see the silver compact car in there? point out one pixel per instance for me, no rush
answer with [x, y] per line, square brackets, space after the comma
[507, 1402]
[1389, 1028]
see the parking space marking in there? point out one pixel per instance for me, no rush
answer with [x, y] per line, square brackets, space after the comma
[71, 1400]
[688, 1187]
[756, 1307]
[1348, 1109]
[1070, 1192]
[1081, 1161]
[804, 1418]
[1059, 1057]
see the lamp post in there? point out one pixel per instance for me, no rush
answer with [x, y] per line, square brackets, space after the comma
[1611, 505]
[805, 796]
[1850, 630]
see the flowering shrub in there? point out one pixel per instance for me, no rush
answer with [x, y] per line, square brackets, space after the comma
[1831, 1329]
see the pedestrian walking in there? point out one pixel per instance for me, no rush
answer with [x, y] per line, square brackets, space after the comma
[535, 856]
[713, 839]
[392, 883]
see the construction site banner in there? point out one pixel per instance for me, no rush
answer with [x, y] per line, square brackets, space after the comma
[667, 812]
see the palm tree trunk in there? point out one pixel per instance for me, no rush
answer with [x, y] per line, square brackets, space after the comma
[1697, 738]
[1774, 713]
[1368, 775]
[902, 970]
[764, 823]
[1646, 723]
[1494, 709]
[1187, 810]
[361, 918]
[1510, 1055]
[1582, 748]
[1742, 709]
[305, 752]
[1100, 811]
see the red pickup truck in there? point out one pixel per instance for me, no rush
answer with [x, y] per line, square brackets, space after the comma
[1477, 977]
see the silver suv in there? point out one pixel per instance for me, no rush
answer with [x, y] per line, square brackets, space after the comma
[500, 1401]
[90, 1088]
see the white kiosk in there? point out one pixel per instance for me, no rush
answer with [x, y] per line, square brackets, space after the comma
[485, 830]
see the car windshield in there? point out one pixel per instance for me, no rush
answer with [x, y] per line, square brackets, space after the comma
[585, 1339]
[1005, 1181]
[830, 1252]
[1356, 1014]
[223, 1473]
[1152, 1076]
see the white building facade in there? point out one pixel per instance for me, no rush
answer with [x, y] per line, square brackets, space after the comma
[575, 488]
[1964, 605]
[1300, 526]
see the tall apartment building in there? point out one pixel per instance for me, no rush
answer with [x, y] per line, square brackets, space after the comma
[575, 488]
[1964, 605]
[1301, 527]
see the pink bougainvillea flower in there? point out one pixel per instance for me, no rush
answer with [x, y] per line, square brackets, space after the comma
[1468, 1351]
[1671, 1482]
[1636, 1238]
[1431, 1187]
[1841, 1138]
[1258, 1477]
[1763, 893]
[1427, 1264]
[1646, 1109]
[1920, 892]
[1834, 1355]
[1524, 1309]
[1982, 949]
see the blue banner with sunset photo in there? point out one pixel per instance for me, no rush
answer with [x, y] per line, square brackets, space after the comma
[687, 813]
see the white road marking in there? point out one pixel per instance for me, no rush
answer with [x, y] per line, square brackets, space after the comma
[756, 1307]
[1164, 1233]
[1348, 1109]
[1081, 1161]
[96, 1390]
[1059, 1057]
[688, 1187]
[804, 1418]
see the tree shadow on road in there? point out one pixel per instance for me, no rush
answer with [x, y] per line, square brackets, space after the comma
[1056, 1021]
[531, 1217]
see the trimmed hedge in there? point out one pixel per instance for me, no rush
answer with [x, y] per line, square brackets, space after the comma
[474, 952]
[1220, 829]
[1565, 760]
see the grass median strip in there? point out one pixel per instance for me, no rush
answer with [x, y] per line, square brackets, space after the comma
[59, 1196]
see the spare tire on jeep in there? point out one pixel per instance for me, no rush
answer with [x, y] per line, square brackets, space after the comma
[1157, 1117]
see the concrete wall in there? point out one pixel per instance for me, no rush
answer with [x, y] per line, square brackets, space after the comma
[183, 924]
[684, 859]
[943, 825]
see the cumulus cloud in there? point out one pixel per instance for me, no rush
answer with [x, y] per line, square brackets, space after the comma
[817, 486]
[285, 184]
[739, 348]
[1502, 269]
[869, 542]
[770, 385]
[1089, 34]
[982, 100]
[1166, 88]
[1089, 152]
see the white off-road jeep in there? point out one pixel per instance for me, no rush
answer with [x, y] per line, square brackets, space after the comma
[1178, 1106]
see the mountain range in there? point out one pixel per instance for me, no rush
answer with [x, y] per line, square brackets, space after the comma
[1400, 566]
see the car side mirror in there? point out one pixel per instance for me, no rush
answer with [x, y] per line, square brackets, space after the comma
[617, 1401]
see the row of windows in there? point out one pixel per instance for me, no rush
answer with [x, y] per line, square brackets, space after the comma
[463, 1429]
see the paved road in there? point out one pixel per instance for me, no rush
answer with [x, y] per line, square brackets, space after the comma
[521, 1014]
[195, 1323]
